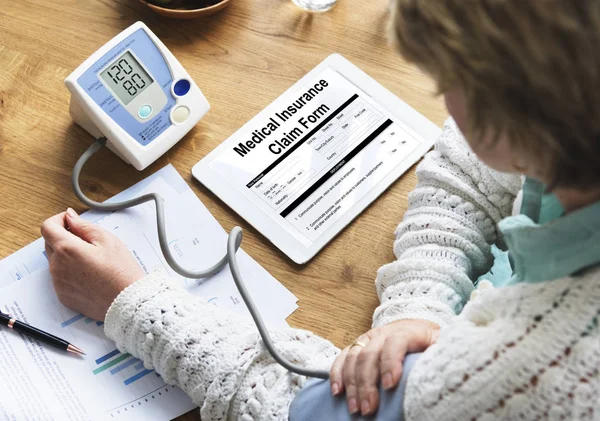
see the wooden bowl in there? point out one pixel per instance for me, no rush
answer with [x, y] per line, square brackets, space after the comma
[187, 10]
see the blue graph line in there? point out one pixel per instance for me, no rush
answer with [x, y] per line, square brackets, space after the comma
[72, 320]
[123, 366]
[137, 377]
[107, 356]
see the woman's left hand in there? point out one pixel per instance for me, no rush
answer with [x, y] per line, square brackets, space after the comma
[89, 265]
[378, 354]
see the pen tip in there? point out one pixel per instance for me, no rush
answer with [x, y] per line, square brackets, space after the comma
[75, 350]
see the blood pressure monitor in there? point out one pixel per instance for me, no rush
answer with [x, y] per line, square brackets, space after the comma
[135, 93]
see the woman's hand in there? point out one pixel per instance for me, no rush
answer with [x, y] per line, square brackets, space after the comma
[358, 369]
[89, 265]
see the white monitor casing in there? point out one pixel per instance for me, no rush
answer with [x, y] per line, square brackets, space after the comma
[89, 115]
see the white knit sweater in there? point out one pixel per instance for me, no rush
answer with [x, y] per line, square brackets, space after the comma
[529, 351]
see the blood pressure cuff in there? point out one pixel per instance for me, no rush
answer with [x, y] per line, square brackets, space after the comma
[315, 402]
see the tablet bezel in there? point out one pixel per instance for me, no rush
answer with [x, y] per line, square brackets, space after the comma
[425, 131]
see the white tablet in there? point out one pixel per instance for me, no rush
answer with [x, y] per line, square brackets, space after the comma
[316, 157]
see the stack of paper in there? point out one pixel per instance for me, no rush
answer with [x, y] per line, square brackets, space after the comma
[39, 382]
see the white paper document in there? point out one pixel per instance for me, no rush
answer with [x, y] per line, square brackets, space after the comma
[41, 383]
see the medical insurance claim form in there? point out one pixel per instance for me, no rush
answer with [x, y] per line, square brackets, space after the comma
[41, 383]
[315, 155]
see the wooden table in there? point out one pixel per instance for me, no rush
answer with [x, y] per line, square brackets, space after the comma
[242, 58]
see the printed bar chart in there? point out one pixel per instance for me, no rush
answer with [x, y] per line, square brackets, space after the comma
[117, 363]
[111, 363]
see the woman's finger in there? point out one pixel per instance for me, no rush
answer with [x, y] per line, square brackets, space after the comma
[367, 375]
[391, 358]
[335, 373]
[85, 230]
[55, 231]
[349, 374]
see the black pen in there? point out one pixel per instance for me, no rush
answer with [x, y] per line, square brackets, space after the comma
[39, 334]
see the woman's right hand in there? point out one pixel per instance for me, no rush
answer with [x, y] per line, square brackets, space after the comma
[89, 265]
[359, 369]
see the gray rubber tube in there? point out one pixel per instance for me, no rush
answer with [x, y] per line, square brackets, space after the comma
[233, 244]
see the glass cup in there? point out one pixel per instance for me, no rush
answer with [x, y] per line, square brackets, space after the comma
[315, 5]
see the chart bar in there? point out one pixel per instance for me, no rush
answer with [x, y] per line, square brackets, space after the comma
[99, 323]
[107, 356]
[139, 366]
[137, 377]
[111, 363]
[88, 321]
[123, 366]
[72, 320]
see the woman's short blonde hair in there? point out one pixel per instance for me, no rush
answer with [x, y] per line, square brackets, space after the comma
[529, 68]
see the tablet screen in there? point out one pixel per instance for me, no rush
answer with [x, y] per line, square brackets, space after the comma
[314, 155]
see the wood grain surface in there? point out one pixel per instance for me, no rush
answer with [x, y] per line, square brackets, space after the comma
[242, 58]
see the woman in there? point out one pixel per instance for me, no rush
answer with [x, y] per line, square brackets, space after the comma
[520, 80]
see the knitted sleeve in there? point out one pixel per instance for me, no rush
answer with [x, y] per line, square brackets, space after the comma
[443, 243]
[216, 357]
[523, 352]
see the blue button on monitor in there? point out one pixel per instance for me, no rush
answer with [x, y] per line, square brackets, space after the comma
[182, 87]
[145, 111]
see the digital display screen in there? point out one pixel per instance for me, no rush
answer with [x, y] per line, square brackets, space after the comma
[126, 77]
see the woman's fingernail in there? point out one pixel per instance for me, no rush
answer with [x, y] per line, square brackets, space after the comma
[71, 213]
[365, 407]
[335, 389]
[352, 406]
[387, 381]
